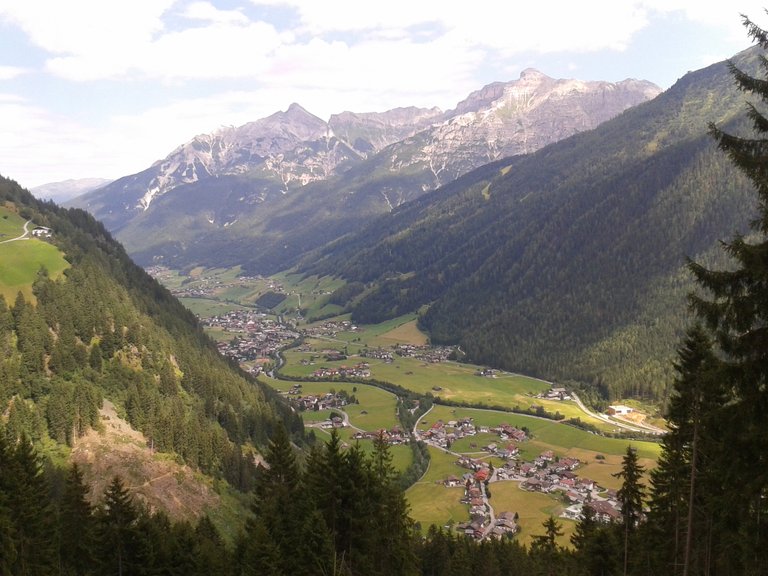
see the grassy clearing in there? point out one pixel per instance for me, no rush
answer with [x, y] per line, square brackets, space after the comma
[206, 308]
[435, 504]
[376, 408]
[432, 503]
[20, 262]
[448, 380]
[406, 333]
[11, 224]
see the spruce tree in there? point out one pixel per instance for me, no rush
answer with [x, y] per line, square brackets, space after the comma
[117, 530]
[735, 309]
[630, 496]
[77, 526]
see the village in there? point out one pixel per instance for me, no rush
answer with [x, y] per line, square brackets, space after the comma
[547, 474]
[257, 335]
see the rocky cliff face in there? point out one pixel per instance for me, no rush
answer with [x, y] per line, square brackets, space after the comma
[519, 117]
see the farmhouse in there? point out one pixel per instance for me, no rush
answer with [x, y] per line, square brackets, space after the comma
[618, 410]
[41, 232]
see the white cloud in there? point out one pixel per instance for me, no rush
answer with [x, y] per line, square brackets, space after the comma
[338, 55]
[11, 72]
[208, 12]
[37, 147]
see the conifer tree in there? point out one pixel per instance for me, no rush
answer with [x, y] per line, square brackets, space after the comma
[77, 527]
[735, 308]
[117, 530]
[630, 496]
[28, 510]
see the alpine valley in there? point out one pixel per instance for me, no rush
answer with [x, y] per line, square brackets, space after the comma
[439, 296]
[545, 223]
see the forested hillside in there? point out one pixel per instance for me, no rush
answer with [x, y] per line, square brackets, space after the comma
[568, 263]
[106, 329]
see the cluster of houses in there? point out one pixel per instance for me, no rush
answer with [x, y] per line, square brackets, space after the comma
[257, 335]
[377, 354]
[444, 434]
[393, 437]
[330, 328]
[487, 372]
[556, 393]
[316, 402]
[546, 474]
[430, 354]
[482, 523]
[360, 370]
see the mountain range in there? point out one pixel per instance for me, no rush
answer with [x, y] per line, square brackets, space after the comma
[543, 225]
[293, 181]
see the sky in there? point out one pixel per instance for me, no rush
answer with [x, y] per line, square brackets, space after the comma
[104, 88]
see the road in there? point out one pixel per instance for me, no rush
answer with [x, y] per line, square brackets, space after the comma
[645, 428]
[24, 236]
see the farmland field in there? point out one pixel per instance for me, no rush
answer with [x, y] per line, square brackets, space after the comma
[451, 381]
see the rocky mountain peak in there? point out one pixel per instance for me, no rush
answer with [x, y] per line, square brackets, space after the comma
[289, 149]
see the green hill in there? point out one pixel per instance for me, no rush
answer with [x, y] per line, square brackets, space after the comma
[98, 327]
[568, 263]
[20, 261]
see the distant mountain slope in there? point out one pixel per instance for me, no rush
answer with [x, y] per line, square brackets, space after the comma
[106, 330]
[292, 182]
[61, 192]
[567, 263]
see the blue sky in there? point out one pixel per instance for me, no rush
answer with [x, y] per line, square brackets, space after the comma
[104, 88]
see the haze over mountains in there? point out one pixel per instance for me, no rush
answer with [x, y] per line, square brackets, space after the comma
[61, 192]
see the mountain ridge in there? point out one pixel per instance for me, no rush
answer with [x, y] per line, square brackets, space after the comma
[260, 174]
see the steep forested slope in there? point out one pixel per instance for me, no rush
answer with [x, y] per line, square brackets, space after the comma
[106, 329]
[569, 262]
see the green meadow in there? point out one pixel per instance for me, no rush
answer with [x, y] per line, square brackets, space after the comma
[432, 503]
[11, 224]
[564, 440]
[450, 381]
[375, 410]
[21, 260]
[533, 508]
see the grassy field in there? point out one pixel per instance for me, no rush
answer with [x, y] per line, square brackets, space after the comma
[564, 440]
[447, 380]
[11, 224]
[532, 507]
[206, 308]
[20, 262]
[433, 503]
[376, 408]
